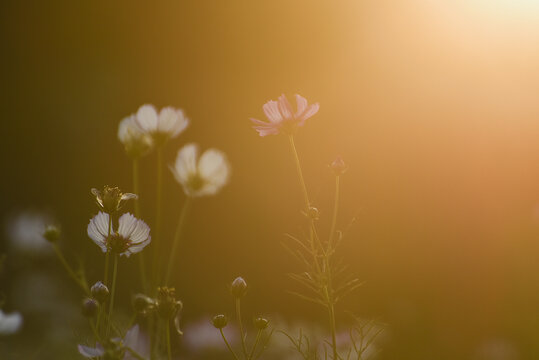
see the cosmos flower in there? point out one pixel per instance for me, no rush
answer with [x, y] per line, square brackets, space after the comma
[169, 123]
[25, 232]
[111, 199]
[136, 142]
[282, 118]
[10, 323]
[130, 238]
[201, 176]
[117, 348]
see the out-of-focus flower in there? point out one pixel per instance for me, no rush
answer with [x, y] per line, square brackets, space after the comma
[52, 233]
[25, 232]
[142, 304]
[111, 199]
[132, 235]
[238, 287]
[201, 176]
[136, 142]
[10, 323]
[116, 348]
[281, 116]
[169, 123]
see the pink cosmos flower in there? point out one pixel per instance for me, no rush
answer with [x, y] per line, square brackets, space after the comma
[281, 116]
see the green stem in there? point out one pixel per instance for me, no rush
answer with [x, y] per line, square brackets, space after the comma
[107, 256]
[335, 211]
[300, 173]
[111, 305]
[240, 325]
[332, 326]
[169, 351]
[134, 353]
[157, 238]
[94, 330]
[228, 345]
[69, 270]
[177, 235]
[255, 344]
[136, 190]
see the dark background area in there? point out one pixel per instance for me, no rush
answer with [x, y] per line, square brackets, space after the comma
[433, 106]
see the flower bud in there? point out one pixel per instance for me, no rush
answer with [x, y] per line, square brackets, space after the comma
[261, 323]
[110, 199]
[313, 213]
[338, 166]
[219, 321]
[100, 292]
[142, 303]
[238, 288]
[89, 307]
[51, 233]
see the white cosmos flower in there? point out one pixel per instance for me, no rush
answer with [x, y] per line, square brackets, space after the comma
[130, 238]
[169, 123]
[201, 176]
[136, 142]
[10, 323]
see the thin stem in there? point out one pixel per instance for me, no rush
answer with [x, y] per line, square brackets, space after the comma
[94, 330]
[240, 325]
[134, 353]
[300, 173]
[69, 270]
[335, 211]
[107, 256]
[177, 236]
[111, 305]
[169, 351]
[228, 345]
[332, 326]
[141, 256]
[157, 238]
[255, 344]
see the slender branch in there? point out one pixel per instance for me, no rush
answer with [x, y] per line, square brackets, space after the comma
[240, 324]
[157, 238]
[169, 351]
[111, 305]
[141, 256]
[335, 211]
[69, 270]
[255, 344]
[228, 345]
[177, 236]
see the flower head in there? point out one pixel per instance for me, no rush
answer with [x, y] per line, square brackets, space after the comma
[167, 305]
[111, 199]
[201, 176]
[136, 142]
[130, 238]
[10, 323]
[169, 123]
[281, 116]
[238, 287]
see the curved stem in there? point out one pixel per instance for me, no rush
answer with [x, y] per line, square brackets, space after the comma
[228, 345]
[69, 270]
[177, 236]
[111, 305]
[240, 325]
[255, 344]
[169, 351]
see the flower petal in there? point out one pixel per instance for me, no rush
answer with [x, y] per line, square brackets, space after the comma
[98, 229]
[302, 105]
[271, 109]
[91, 353]
[213, 167]
[126, 225]
[311, 110]
[186, 163]
[147, 118]
[285, 108]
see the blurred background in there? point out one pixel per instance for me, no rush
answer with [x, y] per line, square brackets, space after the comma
[433, 104]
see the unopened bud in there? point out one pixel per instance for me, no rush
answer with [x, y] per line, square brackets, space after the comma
[142, 303]
[261, 323]
[219, 321]
[89, 307]
[338, 166]
[52, 233]
[100, 292]
[238, 288]
[313, 213]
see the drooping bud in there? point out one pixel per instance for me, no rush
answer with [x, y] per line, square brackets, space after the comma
[261, 323]
[89, 307]
[238, 287]
[142, 304]
[52, 233]
[219, 321]
[338, 166]
[100, 292]
[167, 305]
